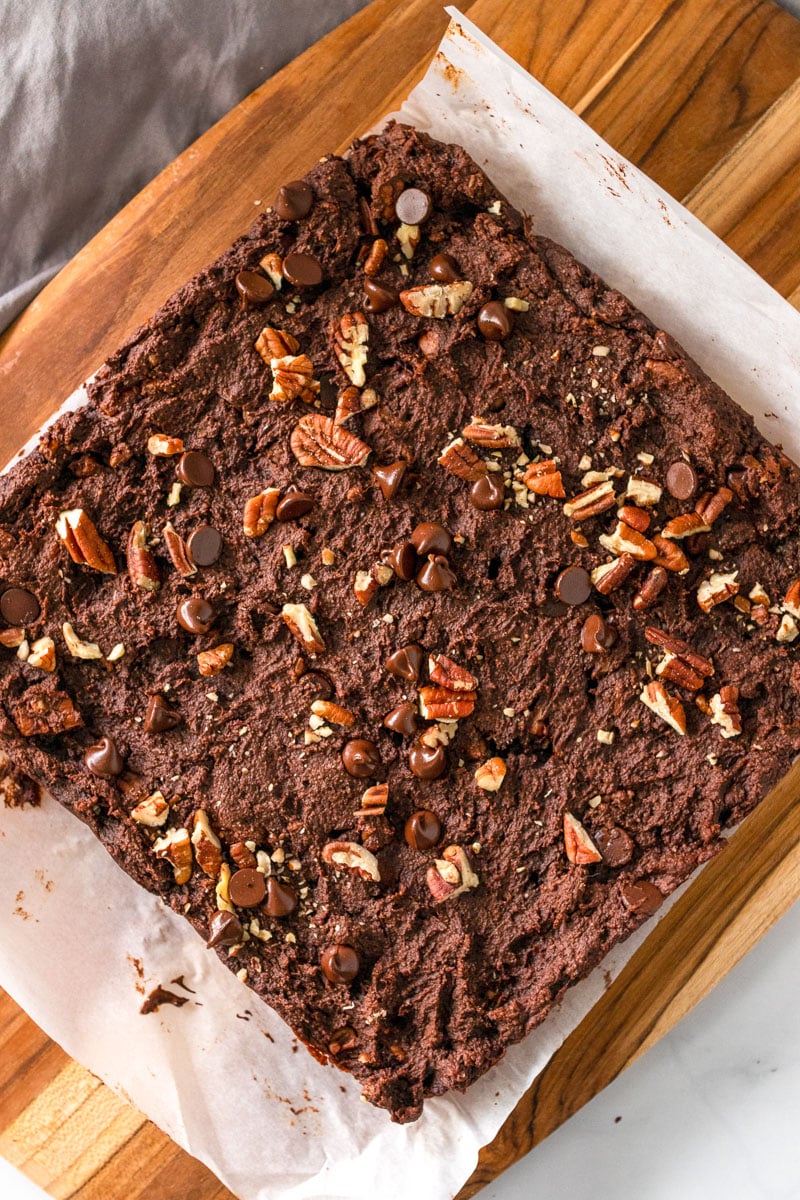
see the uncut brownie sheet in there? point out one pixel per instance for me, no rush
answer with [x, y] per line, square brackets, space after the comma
[405, 609]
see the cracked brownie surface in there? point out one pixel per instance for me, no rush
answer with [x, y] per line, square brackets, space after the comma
[406, 610]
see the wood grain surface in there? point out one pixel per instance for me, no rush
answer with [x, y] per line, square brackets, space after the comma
[705, 96]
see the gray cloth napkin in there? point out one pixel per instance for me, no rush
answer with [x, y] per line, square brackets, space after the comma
[96, 96]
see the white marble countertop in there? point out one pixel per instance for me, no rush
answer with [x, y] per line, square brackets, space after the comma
[710, 1113]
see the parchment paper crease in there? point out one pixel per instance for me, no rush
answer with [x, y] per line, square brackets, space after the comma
[270, 1122]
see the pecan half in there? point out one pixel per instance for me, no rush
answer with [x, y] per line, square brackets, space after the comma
[711, 505]
[544, 479]
[176, 847]
[207, 846]
[669, 556]
[651, 588]
[596, 499]
[142, 566]
[436, 299]
[153, 811]
[609, 576]
[449, 674]
[276, 343]
[351, 341]
[317, 441]
[211, 662]
[635, 518]
[293, 379]
[303, 627]
[579, 847]
[177, 551]
[79, 534]
[682, 664]
[451, 875]
[490, 775]
[352, 856]
[725, 711]
[444, 704]
[462, 461]
[494, 437]
[627, 540]
[716, 590]
[669, 708]
[259, 512]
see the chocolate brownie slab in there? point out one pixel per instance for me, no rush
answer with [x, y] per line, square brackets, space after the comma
[405, 609]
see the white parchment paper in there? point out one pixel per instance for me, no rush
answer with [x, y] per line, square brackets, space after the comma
[223, 1075]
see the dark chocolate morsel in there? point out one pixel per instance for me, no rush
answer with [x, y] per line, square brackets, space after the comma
[423, 829]
[488, 492]
[412, 206]
[225, 930]
[495, 321]
[254, 288]
[427, 762]
[430, 537]
[339, 963]
[403, 561]
[615, 845]
[294, 505]
[196, 469]
[204, 545]
[390, 477]
[682, 481]
[159, 717]
[402, 719]
[294, 201]
[281, 899]
[104, 759]
[195, 614]
[379, 297]
[597, 636]
[574, 585]
[361, 758]
[302, 270]
[247, 888]
[18, 606]
[642, 897]
[444, 269]
[435, 575]
[406, 663]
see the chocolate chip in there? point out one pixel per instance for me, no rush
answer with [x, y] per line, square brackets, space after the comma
[574, 585]
[682, 481]
[436, 575]
[339, 963]
[368, 222]
[195, 614]
[247, 888]
[159, 717]
[293, 505]
[406, 663]
[254, 288]
[402, 719]
[303, 270]
[423, 829]
[104, 759]
[361, 758]
[196, 469]
[431, 538]
[488, 492]
[642, 897]
[389, 478]
[494, 321]
[225, 930]
[412, 206]
[615, 845]
[597, 636]
[427, 762]
[379, 297]
[281, 899]
[403, 561]
[18, 606]
[444, 269]
[294, 201]
[204, 545]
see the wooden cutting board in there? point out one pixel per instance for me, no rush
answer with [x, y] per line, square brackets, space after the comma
[705, 96]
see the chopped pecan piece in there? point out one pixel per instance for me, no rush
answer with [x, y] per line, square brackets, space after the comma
[462, 461]
[787, 630]
[317, 441]
[293, 379]
[651, 588]
[436, 299]
[207, 846]
[12, 638]
[276, 343]
[352, 401]
[303, 627]
[367, 583]
[351, 339]
[579, 847]
[669, 556]
[79, 534]
[596, 499]
[643, 493]
[544, 479]
[681, 663]
[272, 266]
[684, 526]
[335, 714]
[42, 709]
[656, 697]
[445, 704]
[716, 590]
[77, 647]
[490, 775]
[609, 576]
[791, 601]
[626, 540]
[153, 811]
[409, 237]
[451, 875]
[177, 551]
[259, 512]
[352, 856]
[494, 437]
[161, 445]
[711, 505]
[43, 654]
[142, 566]
[725, 711]
[176, 847]
[211, 662]
[374, 801]
[448, 674]
[374, 260]
[635, 518]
